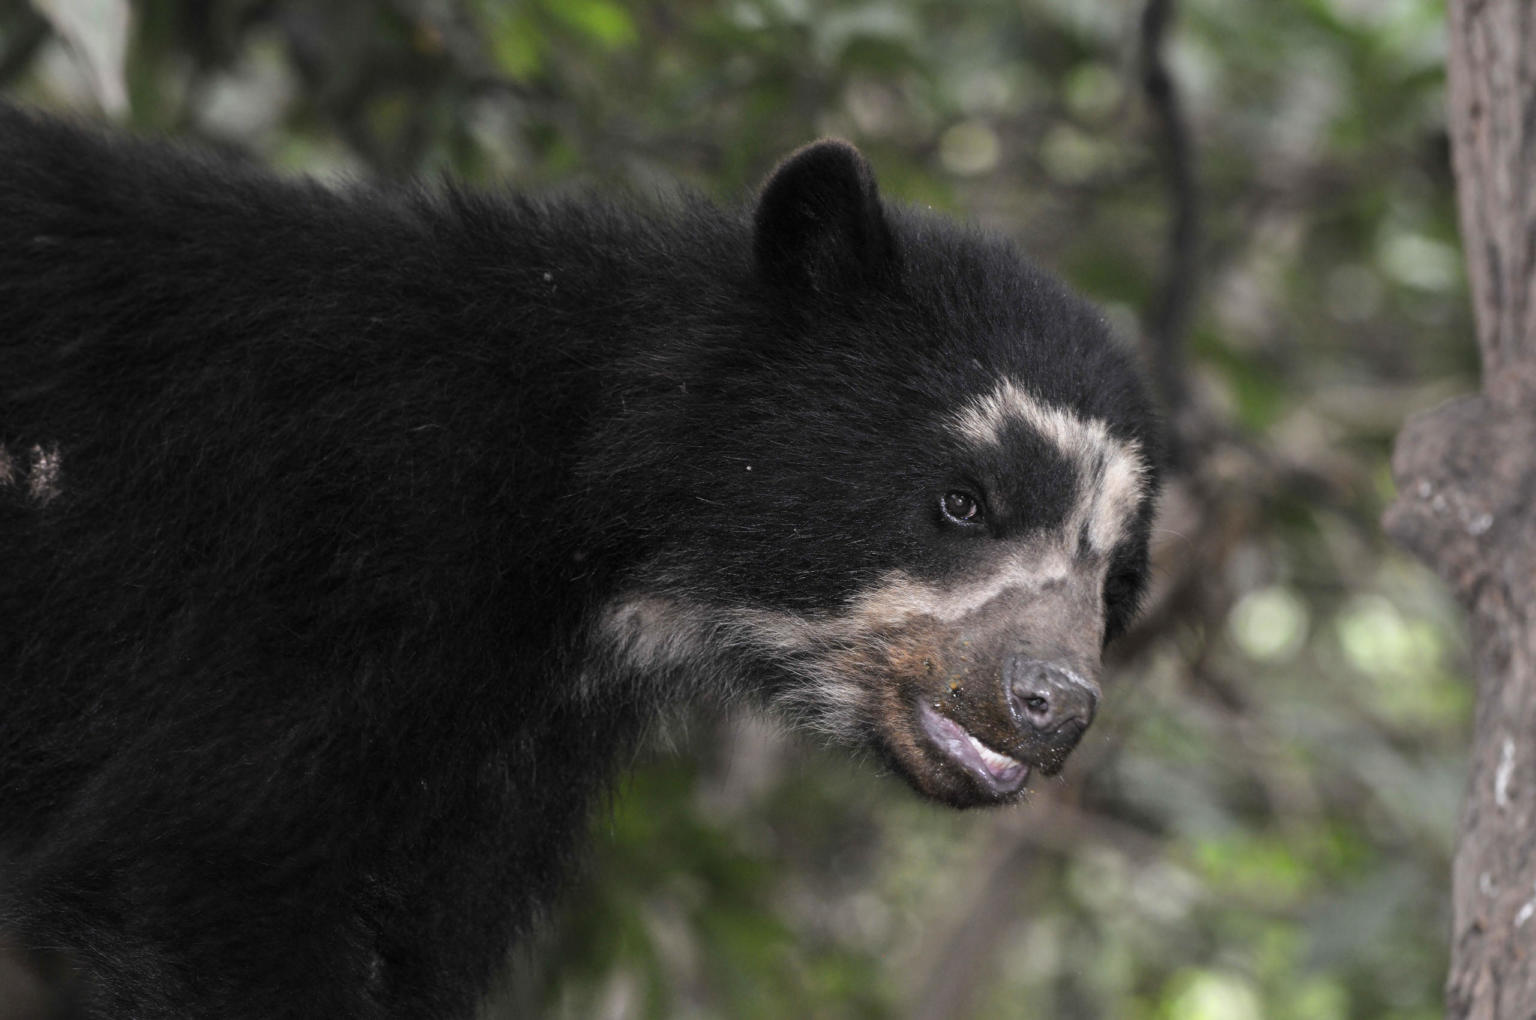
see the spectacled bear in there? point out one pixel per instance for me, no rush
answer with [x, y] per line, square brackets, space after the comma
[349, 535]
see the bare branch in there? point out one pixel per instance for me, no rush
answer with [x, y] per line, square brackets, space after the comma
[1168, 321]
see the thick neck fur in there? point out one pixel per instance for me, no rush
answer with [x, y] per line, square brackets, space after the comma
[346, 513]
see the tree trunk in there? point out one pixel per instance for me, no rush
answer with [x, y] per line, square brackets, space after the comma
[1466, 504]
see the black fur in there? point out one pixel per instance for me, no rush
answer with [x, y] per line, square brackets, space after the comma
[295, 631]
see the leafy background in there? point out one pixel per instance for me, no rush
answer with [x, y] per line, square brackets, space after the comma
[1261, 822]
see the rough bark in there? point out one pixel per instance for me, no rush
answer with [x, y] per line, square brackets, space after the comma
[1466, 477]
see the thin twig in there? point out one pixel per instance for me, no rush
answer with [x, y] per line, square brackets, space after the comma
[1168, 321]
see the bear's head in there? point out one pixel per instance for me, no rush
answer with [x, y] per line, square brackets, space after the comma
[905, 497]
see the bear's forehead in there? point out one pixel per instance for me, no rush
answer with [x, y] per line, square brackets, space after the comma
[1109, 473]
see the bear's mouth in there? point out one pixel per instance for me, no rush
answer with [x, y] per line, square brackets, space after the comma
[995, 772]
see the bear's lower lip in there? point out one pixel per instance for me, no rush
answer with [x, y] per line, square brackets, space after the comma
[999, 773]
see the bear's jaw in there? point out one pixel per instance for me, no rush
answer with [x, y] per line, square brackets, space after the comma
[996, 773]
[934, 679]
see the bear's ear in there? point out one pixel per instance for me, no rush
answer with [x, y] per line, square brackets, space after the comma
[819, 223]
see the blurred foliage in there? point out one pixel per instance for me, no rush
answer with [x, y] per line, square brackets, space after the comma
[1261, 822]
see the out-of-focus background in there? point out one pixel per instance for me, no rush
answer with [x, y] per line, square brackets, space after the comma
[1260, 823]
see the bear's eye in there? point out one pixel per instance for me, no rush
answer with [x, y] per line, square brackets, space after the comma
[961, 507]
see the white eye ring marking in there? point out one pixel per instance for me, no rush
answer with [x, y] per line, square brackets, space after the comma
[1112, 472]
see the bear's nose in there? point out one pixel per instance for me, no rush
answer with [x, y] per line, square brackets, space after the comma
[1048, 698]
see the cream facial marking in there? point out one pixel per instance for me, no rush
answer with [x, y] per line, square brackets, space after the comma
[695, 642]
[652, 632]
[1112, 471]
[899, 597]
[43, 481]
[700, 643]
[656, 633]
[41, 473]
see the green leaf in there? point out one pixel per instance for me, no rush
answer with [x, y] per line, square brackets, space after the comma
[607, 24]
